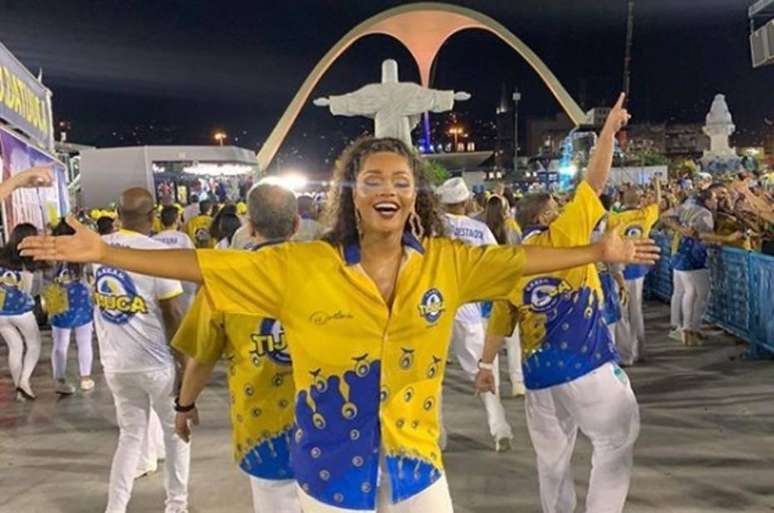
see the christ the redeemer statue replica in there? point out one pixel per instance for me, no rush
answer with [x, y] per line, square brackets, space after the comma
[395, 107]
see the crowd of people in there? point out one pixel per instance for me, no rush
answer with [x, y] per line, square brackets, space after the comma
[335, 327]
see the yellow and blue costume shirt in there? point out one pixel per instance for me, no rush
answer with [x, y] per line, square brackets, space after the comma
[68, 300]
[635, 224]
[198, 228]
[260, 382]
[368, 377]
[15, 299]
[561, 314]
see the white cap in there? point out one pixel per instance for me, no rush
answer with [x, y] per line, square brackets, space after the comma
[704, 176]
[453, 190]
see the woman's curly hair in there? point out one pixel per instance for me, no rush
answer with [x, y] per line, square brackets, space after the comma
[340, 214]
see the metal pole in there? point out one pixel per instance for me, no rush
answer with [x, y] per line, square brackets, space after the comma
[516, 99]
[628, 52]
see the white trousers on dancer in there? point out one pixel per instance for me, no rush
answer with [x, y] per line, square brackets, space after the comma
[468, 345]
[21, 332]
[61, 342]
[135, 394]
[513, 350]
[630, 329]
[602, 406]
[676, 302]
[696, 288]
[152, 448]
[271, 496]
[435, 499]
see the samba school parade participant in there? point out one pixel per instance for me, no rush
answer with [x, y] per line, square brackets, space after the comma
[570, 362]
[368, 316]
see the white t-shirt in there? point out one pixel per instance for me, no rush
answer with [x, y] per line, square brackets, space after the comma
[178, 240]
[174, 239]
[474, 233]
[309, 229]
[127, 314]
[190, 211]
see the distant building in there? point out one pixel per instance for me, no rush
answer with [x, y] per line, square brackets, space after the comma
[677, 142]
[685, 141]
[545, 136]
[504, 143]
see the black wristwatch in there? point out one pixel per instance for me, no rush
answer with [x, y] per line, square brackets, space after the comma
[183, 409]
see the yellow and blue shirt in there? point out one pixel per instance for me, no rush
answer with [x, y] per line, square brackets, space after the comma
[635, 224]
[259, 379]
[367, 376]
[68, 300]
[198, 229]
[15, 298]
[561, 314]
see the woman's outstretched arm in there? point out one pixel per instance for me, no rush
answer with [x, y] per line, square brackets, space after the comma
[87, 246]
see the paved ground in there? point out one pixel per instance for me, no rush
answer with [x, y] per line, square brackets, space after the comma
[707, 442]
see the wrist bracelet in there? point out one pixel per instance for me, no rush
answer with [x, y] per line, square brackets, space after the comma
[183, 409]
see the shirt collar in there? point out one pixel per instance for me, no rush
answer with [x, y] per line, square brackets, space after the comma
[266, 243]
[533, 230]
[352, 251]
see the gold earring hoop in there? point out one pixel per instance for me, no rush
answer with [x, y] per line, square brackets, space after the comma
[415, 224]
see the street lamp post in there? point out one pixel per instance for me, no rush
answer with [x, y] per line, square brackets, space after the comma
[516, 100]
[220, 137]
[455, 132]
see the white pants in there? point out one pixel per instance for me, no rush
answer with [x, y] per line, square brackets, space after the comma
[61, 342]
[513, 350]
[602, 405]
[435, 499]
[152, 448]
[468, 345]
[630, 329]
[696, 287]
[274, 496]
[676, 302]
[135, 394]
[19, 331]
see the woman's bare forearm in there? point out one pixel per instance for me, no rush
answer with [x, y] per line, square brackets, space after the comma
[178, 264]
[545, 260]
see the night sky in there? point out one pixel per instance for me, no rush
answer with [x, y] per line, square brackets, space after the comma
[159, 72]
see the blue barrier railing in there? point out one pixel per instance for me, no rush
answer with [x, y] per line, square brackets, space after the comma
[741, 292]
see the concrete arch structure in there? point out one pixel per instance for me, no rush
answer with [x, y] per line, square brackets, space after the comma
[422, 28]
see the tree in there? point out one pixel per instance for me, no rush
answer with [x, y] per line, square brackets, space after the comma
[436, 172]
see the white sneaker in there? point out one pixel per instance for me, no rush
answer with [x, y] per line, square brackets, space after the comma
[676, 334]
[502, 444]
[26, 391]
[64, 388]
[518, 390]
[87, 384]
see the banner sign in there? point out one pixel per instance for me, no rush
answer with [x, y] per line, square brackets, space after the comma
[40, 206]
[24, 102]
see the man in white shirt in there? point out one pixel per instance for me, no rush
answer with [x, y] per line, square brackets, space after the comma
[469, 331]
[309, 228]
[176, 239]
[192, 209]
[136, 316]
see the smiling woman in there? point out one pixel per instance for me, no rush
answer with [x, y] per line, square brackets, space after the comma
[368, 317]
[374, 166]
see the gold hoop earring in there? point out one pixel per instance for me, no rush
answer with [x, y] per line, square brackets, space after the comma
[357, 224]
[415, 224]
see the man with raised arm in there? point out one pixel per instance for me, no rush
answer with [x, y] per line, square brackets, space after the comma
[570, 363]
